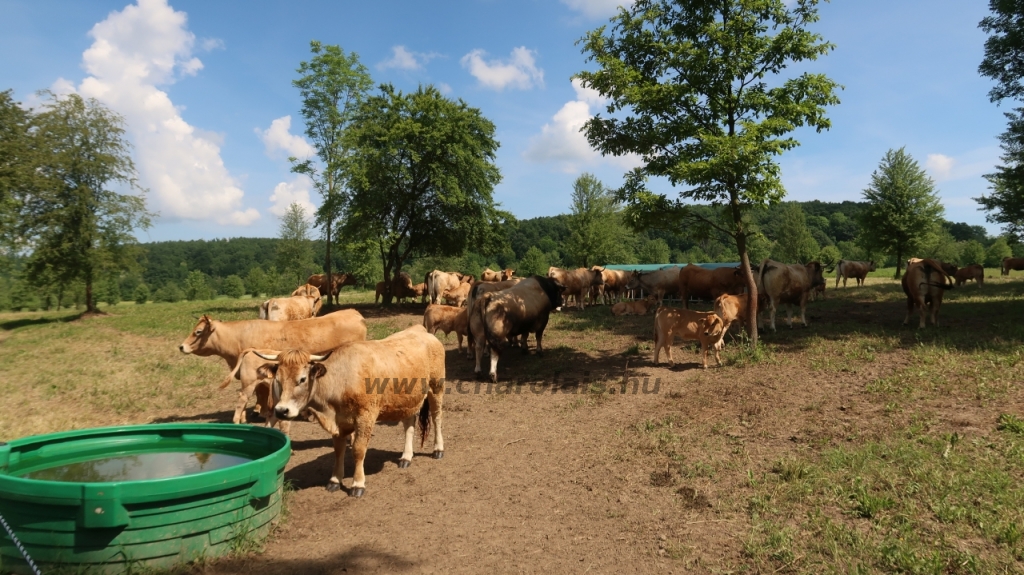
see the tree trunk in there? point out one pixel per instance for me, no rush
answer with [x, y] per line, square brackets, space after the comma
[751, 319]
[899, 261]
[90, 307]
[387, 296]
[328, 277]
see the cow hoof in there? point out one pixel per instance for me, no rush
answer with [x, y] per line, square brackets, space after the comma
[438, 454]
[332, 487]
[403, 463]
[356, 492]
[494, 378]
[479, 375]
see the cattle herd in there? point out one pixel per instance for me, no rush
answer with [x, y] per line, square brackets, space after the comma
[322, 368]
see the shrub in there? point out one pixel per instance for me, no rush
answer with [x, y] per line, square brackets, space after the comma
[141, 294]
[234, 287]
[170, 293]
[996, 252]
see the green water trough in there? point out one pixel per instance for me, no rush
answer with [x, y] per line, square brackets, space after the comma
[116, 499]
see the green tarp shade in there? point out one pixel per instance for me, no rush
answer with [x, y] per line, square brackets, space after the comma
[656, 267]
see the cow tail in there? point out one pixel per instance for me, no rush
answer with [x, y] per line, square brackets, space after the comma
[492, 338]
[234, 371]
[424, 420]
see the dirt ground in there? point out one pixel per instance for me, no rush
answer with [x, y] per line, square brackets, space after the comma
[546, 476]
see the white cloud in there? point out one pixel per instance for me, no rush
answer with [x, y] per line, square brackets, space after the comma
[295, 191]
[562, 142]
[278, 138]
[133, 51]
[940, 166]
[597, 8]
[403, 59]
[520, 71]
[444, 88]
[210, 44]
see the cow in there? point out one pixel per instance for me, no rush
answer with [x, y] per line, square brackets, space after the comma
[457, 296]
[924, 283]
[847, 269]
[949, 269]
[246, 370]
[339, 281]
[615, 282]
[576, 282]
[698, 282]
[402, 287]
[380, 291]
[972, 272]
[490, 276]
[307, 289]
[507, 274]
[660, 282]
[290, 308]
[447, 319]
[349, 389]
[229, 340]
[638, 307]
[733, 308]
[440, 281]
[475, 292]
[789, 284]
[420, 291]
[702, 326]
[519, 310]
[1011, 264]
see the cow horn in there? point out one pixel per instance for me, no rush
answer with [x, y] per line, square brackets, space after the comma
[268, 357]
[313, 357]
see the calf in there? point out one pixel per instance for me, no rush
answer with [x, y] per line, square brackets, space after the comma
[972, 272]
[447, 319]
[702, 326]
[924, 283]
[733, 308]
[358, 384]
[457, 296]
[639, 307]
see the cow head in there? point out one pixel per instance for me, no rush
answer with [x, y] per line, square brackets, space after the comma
[634, 279]
[199, 336]
[713, 326]
[814, 271]
[295, 373]
[507, 274]
[308, 289]
[552, 289]
[596, 277]
[871, 266]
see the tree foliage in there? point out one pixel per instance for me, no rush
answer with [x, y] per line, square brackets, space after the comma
[794, 242]
[903, 211]
[597, 234]
[295, 250]
[695, 88]
[420, 177]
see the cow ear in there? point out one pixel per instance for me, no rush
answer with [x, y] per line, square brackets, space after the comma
[266, 371]
[317, 370]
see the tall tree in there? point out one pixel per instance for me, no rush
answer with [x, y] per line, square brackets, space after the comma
[420, 177]
[793, 240]
[903, 212]
[79, 227]
[1004, 63]
[597, 235]
[331, 85]
[18, 159]
[695, 88]
[295, 251]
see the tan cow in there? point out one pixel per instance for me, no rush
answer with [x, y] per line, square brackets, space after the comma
[614, 288]
[1011, 264]
[380, 291]
[351, 388]
[246, 370]
[702, 326]
[489, 275]
[457, 296]
[707, 284]
[507, 274]
[576, 282]
[661, 282]
[638, 307]
[447, 318]
[972, 272]
[229, 340]
[290, 308]
[307, 289]
[733, 308]
[420, 291]
[847, 269]
[339, 281]
[789, 284]
[440, 281]
[519, 310]
[924, 283]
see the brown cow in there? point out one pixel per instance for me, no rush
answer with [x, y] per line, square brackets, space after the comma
[307, 289]
[972, 272]
[447, 318]
[846, 269]
[661, 282]
[440, 281]
[290, 308]
[358, 384]
[733, 308]
[420, 291]
[925, 282]
[789, 284]
[638, 307]
[698, 282]
[507, 274]
[702, 326]
[949, 269]
[576, 282]
[1011, 264]
[519, 310]
[339, 281]
[457, 296]
[246, 370]
[475, 292]
[381, 291]
[229, 340]
[615, 282]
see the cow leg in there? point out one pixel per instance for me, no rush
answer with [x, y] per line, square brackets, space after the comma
[340, 446]
[539, 334]
[924, 312]
[243, 400]
[910, 309]
[459, 335]
[479, 353]
[704, 355]
[361, 439]
[771, 313]
[803, 309]
[409, 424]
[435, 399]
[495, 353]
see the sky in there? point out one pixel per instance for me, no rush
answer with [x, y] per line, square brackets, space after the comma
[206, 91]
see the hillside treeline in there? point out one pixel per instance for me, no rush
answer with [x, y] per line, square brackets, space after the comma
[200, 269]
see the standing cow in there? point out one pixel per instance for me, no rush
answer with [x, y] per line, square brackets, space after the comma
[661, 283]
[1011, 264]
[438, 282]
[338, 281]
[924, 283]
[972, 272]
[290, 308]
[847, 269]
[698, 282]
[789, 284]
[576, 282]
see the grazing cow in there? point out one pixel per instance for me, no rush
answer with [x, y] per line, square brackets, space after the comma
[847, 269]
[733, 308]
[290, 308]
[339, 281]
[702, 326]
[972, 272]
[519, 310]
[447, 319]
[698, 282]
[307, 289]
[576, 282]
[420, 291]
[638, 307]
[229, 340]
[351, 388]
[1011, 264]
[789, 284]
[925, 282]
[440, 281]
[402, 288]
[661, 283]
[457, 296]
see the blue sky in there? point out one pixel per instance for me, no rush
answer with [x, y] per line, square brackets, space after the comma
[206, 89]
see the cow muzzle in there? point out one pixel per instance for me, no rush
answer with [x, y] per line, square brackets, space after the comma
[287, 412]
[184, 349]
